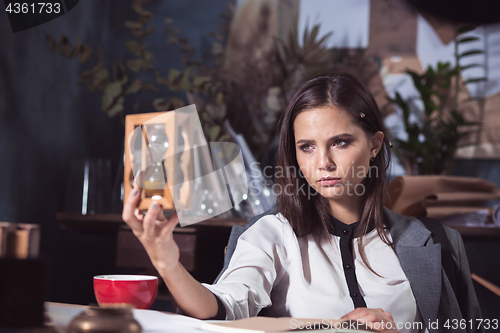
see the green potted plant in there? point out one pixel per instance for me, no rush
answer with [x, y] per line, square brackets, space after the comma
[431, 144]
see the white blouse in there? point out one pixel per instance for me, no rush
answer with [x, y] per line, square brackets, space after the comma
[304, 277]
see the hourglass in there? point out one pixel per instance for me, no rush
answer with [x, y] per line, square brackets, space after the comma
[159, 158]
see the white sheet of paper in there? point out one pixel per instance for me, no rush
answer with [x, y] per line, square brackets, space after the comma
[151, 321]
[154, 321]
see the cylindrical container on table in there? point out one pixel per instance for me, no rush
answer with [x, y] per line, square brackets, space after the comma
[137, 290]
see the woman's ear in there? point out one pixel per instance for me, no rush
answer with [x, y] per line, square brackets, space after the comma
[376, 142]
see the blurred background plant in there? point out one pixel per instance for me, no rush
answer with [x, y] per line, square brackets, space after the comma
[433, 140]
[130, 77]
[265, 84]
[251, 100]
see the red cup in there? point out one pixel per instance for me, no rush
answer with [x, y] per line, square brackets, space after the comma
[137, 290]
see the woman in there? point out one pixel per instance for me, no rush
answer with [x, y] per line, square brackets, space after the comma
[333, 250]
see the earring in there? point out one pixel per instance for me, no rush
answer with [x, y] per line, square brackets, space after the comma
[372, 158]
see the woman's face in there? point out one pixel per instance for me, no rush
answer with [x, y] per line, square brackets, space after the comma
[333, 153]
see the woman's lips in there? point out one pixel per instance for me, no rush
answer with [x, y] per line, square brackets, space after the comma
[328, 181]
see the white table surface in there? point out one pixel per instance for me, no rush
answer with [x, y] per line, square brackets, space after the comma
[150, 320]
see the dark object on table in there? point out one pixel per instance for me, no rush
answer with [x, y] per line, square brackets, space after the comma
[117, 319]
[21, 292]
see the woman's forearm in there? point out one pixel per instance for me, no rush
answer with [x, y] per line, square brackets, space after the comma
[191, 297]
[156, 235]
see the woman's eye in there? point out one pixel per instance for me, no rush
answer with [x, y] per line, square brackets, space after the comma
[340, 143]
[305, 147]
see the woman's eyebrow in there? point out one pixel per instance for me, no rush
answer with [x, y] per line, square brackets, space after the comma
[335, 137]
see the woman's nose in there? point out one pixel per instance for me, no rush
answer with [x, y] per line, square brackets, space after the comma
[326, 162]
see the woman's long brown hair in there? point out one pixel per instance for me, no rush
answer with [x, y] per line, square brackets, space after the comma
[305, 208]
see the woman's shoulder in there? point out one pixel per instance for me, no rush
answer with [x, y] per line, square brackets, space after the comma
[270, 221]
[271, 226]
[409, 224]
[454, 237]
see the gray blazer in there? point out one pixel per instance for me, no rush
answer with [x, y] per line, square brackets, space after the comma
[421, 261]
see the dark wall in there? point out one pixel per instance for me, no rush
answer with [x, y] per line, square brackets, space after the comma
[483, 252]
[48, 120]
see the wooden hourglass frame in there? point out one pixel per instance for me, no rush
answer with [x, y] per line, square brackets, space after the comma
[173, 121]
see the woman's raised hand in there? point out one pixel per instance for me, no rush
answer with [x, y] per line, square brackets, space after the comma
[154, 231]
[376, 319]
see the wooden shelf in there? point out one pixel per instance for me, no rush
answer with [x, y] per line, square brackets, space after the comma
[114, 222]
[201, 245]
[476, 231]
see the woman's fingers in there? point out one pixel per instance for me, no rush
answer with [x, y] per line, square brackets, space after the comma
[152, 223]
[160, 221]
[128, 211]
[354, 314]
[369, 317]
[361, 312]
[170, 225]
[150, 218]
[160, 218]
[138, 214]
